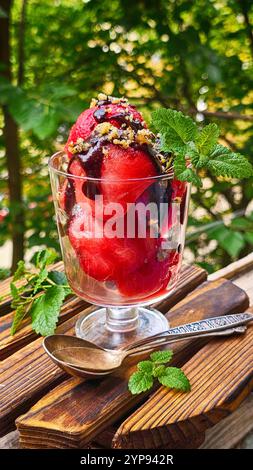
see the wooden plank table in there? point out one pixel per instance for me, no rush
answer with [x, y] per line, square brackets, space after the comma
[41, 400]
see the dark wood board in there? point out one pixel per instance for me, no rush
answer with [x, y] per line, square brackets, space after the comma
[75, 412]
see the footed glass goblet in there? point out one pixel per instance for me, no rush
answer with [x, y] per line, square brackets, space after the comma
[122, 243]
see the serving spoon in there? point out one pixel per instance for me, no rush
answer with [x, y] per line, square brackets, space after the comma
[82, 358]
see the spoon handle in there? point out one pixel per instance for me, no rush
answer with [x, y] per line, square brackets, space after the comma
[198, 328]
[162, 341]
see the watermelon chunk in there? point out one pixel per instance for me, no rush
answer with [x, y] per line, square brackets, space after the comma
[122, 164]
[101, 257]
[150, 278]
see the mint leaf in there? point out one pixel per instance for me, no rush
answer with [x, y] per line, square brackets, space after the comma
[207, 138]
[19, 316]
[40, 279]
[180, 136]
[45, 310]
[223, 162]
[183, 173]
[158, 370]
[161, 357]
[140, 382]
[58, 277]
[175, 378]
[145, 366]
[171, 377]
[14, 291]
[177, 130]
[44, 258]
[20, 271]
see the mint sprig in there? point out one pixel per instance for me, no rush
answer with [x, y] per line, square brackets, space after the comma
[147, 371]
[41, 296]
[187, 143]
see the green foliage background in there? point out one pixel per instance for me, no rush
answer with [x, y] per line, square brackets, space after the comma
[191, 55]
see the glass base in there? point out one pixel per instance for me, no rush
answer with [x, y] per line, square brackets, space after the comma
[114, 328]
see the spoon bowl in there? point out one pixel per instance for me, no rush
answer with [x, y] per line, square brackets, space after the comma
[84, 359]
[55, 345]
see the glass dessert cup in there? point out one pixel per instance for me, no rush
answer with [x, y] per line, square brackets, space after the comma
[122, 243]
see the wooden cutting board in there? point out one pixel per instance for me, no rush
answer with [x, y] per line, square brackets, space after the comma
[75, 412]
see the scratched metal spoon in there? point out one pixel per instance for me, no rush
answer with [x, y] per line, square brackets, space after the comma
[82, 358]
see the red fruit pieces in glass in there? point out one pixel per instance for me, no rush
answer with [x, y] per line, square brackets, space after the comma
[119, 164]
[150, 278]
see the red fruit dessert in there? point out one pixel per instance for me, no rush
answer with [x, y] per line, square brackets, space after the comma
[101, 257]
[112, 155]
[119, 164]
[150, 278]
[103, 110]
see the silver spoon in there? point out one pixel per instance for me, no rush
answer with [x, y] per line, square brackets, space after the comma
[83, 358]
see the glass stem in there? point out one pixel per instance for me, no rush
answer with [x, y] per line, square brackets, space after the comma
[121, 319]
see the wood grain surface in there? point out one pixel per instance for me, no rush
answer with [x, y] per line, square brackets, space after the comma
[221, 376]
[190, 278]
[75, 412]
[28, 374]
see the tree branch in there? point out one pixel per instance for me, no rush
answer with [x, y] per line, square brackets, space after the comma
[226, 116]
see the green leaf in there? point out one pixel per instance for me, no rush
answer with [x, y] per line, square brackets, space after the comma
[47, 124]
[140, 382]
[158, 370]
[249, 237]
[223, 162]
[175, 378]
[44, 258]
[145, 366]
[19, 315]
[207, 138]
[242, 223]
[40, 279]
[183, 173]
[20, 271]
[58, 277]
[161, 357]
[177, 130]
[231, 241]
[45, 310]
[14, 291]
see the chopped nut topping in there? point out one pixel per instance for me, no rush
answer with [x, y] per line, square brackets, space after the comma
[80, 146]
[102, 97]
[103, 128]
[93, 103]
[123, 143]
[144, 136]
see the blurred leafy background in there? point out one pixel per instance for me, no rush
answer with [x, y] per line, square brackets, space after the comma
[55, 55]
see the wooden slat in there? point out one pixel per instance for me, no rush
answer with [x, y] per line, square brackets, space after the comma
[221, 375]
[55, 417]
[234, 269]
[229, 432]
[29, 373]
